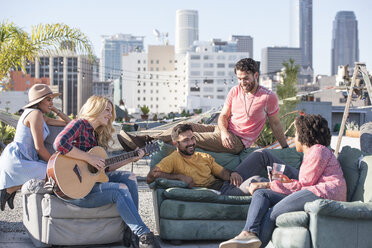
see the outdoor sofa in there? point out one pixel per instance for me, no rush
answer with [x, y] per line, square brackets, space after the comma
[200, 214]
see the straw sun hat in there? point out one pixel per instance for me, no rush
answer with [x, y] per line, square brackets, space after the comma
[37, 93]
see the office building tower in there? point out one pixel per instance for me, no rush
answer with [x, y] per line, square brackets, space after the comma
[301, 25]
[244, 44]
[113, 49]
[65, 72]
[187, 29]
[345, 43]
[272, 58]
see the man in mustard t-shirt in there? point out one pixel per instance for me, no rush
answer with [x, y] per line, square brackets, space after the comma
[196, 168]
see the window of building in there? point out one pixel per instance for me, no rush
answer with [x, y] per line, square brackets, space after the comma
[193, 89]
[195, 57]
[151, 61]
[220, 65]
[220, 89]
[207, 89]
[139, 69]
[195, 65]
[208, 73]
[195, 73]
[231, 65]
[220, 73]
[157, 61]
[139, 61]
[208, 65]
[220, 97]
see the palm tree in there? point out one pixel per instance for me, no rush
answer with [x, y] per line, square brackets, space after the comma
[17, 46]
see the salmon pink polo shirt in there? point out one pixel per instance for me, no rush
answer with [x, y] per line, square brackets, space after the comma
[249, 112]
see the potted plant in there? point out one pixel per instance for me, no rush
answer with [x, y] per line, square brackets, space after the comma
[145, 110]
[352, 129]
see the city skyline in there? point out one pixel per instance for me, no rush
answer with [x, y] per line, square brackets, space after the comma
[266, 21]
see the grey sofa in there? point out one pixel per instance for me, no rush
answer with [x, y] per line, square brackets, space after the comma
[52, 221]
[199, 214]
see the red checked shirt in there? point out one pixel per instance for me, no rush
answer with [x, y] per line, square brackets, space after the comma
[78, 133]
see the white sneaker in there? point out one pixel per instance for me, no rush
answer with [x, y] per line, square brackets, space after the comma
[244, 240]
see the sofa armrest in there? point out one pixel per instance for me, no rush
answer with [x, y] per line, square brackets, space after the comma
[163, 183]
[291, 219]
[352, 210]
[35, 186]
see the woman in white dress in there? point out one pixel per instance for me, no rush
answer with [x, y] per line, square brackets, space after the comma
[26, 157]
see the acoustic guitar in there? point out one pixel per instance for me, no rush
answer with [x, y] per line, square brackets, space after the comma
[74, 179]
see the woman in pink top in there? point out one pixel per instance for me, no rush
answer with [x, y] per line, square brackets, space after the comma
[320, 176]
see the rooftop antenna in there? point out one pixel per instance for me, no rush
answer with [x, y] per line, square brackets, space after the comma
[161, 36]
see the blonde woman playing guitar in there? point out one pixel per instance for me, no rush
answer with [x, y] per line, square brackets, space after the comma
[94, 128]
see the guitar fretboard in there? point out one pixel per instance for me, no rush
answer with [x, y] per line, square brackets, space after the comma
[121, 157]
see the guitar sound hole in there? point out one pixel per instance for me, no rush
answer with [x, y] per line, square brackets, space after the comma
[92, 169]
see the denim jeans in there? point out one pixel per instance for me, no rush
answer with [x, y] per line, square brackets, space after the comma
[122, 190]
[251, 167]
[267, 205]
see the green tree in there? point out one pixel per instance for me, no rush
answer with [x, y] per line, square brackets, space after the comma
[17, 46]
[286, 92]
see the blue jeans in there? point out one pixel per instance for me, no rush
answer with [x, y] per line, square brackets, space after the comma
[252, 167]
[267, 205]
[122, 190]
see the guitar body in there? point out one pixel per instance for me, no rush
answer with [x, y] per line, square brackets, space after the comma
[75, 178]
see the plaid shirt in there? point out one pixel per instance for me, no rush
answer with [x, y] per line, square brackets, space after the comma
[78, 133]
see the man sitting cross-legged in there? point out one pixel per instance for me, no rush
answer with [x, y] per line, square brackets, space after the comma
[200, 170]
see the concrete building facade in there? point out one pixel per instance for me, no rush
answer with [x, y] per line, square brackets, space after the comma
[113, 48]
[272, 58]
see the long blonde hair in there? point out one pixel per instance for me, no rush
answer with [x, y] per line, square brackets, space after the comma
[90, 110]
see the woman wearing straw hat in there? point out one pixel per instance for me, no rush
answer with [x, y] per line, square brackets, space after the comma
[25, 158]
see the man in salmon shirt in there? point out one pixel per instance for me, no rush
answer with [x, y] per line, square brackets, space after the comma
[241, 120]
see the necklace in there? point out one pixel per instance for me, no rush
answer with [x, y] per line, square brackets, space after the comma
[250, 105]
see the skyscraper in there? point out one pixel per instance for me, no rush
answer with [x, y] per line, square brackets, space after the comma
[345, 43]
[302, 29]
[244, 43]
[112, 50]
[187, 29]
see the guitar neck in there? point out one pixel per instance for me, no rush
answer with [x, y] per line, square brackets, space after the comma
[121, 157]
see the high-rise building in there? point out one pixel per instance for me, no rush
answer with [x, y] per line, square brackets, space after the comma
[187, 29]
[272, 58]
[113, 49]
[345, 43]
[301, 34]
[65, 72]
[244, 43]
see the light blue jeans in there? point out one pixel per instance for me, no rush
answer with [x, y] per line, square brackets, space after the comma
[122, 190]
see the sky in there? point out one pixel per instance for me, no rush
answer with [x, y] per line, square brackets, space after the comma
[267, 21]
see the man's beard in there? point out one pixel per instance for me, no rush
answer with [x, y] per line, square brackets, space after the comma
[185, 152]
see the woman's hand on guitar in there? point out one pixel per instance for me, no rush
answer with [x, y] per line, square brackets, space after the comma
[140, 153]
[96, 162]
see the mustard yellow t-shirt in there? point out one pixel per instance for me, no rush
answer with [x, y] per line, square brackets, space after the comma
[201, 167]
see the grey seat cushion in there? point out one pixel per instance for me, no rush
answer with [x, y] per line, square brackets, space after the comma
[54, 131]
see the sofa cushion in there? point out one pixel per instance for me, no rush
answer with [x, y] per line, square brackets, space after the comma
[183, 210]
[297, 218]
[164, 183]
[349, 160]
[204, 195]
[53, 132]
[54, 207]
[35, 186]
[366, 176]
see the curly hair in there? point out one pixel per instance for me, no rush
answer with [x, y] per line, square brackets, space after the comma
[91, 109]
[247, 65]
[312, 130]
[180, 128]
